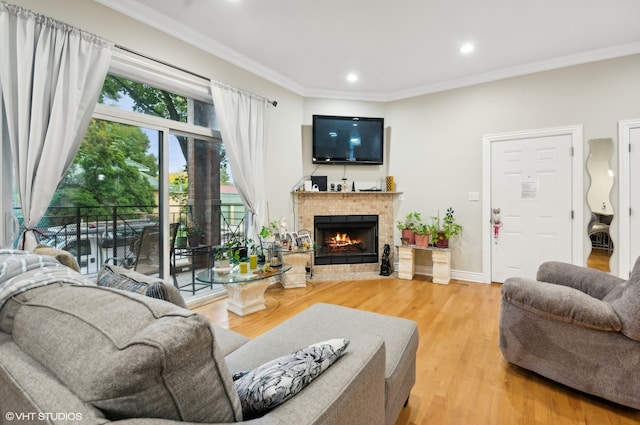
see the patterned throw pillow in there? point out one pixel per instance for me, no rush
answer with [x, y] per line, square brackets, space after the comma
[132, 281]
[275, 382]
[121, 278]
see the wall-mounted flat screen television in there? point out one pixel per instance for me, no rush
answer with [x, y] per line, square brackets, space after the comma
[347, 140]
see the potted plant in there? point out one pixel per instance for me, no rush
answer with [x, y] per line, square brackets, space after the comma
[222, 258]
[236, 249]
[195, 235]
[267, 236]
[267, 232]
[226, 254]
[421, 233]
[408, 226]
[448, 230]
[181, 237]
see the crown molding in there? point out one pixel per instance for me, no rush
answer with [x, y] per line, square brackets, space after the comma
[531, 68]
[161, 22]
[186, 34]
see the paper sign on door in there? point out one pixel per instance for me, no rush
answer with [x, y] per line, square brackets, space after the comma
[529, 190]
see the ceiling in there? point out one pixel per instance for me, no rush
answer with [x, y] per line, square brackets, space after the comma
[398, 48]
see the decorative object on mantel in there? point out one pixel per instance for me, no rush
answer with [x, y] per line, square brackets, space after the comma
[390, 184]
[408, 226]
[441, 235]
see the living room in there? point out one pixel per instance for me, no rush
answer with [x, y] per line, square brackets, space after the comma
[448, 124]
[434, 140]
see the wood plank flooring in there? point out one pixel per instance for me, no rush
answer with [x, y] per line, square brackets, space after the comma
[461, 375]
[599, 259]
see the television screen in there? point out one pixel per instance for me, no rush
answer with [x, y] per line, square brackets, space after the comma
[347, 140]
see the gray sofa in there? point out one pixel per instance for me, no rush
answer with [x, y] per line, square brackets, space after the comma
[576, 326]
[103, 355]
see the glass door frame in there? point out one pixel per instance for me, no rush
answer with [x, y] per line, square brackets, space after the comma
[166, 128]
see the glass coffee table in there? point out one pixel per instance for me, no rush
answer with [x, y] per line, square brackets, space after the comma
[245, 290]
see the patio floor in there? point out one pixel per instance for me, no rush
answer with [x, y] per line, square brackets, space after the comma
[203, 293]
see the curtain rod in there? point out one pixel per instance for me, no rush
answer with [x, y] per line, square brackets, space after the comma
[272, 102]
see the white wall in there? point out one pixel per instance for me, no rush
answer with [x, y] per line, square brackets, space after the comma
[439, 136]
[435, 141]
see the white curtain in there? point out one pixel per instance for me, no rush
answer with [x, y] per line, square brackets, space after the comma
[51, 75]
[241, 117]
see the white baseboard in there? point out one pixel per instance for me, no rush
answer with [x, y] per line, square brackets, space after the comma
[455, 274]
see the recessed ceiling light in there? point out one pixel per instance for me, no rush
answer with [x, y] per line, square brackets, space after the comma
[467, 48]
[352, 78]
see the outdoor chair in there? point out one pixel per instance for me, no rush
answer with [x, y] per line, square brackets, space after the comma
[147, 251]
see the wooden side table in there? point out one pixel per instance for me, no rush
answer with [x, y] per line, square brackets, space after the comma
[441, 258]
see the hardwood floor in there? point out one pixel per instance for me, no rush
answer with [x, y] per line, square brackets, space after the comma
[461, 375]
[599, 259]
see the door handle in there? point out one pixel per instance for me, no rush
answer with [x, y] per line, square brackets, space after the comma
[496, 222]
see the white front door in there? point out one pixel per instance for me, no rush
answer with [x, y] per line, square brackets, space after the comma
[531, 182]
[629, 224]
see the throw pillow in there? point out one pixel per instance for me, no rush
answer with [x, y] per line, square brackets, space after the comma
[275, 382]
[127, 355]
[129, 280]
[64, 257]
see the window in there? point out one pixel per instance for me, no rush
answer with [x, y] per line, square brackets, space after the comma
[151, 156]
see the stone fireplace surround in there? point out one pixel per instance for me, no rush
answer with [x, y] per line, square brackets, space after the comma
[310, 204]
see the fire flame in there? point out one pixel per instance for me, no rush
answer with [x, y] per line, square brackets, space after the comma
[342, 239]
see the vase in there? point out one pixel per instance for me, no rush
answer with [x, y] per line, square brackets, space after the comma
[194, 240]
[222, 266]
[181, 241]
[442, 241]
[422, 241]
[407, 233]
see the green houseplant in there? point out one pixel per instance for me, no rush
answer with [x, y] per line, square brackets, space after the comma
[421, 233]
[408, 226]
[449, 229]
[226, 254]
[195, 235]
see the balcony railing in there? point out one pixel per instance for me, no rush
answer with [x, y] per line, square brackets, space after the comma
[94, 236]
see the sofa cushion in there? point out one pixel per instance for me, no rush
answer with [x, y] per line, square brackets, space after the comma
[275, 382]
[228, 341]
[29, 389]
[64, 257]
[128, 355]
[129, 280]
[561, 303]
[324, 321]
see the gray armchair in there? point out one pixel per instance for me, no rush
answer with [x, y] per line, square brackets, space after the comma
[577, 326]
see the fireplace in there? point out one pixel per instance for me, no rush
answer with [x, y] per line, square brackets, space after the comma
[346, 239]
